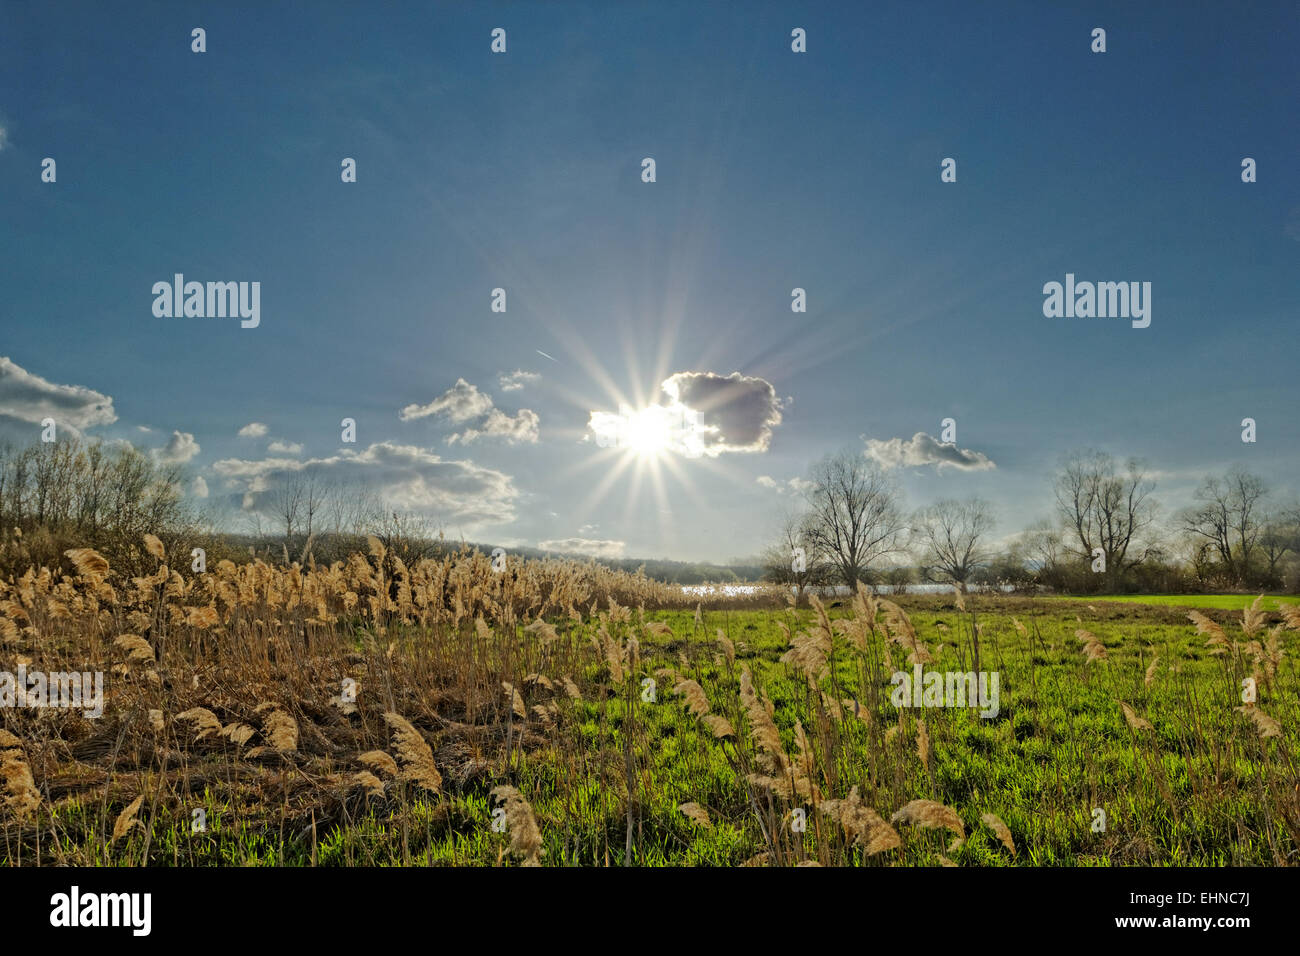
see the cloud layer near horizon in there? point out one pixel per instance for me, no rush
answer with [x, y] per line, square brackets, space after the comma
[405, 476]
[594, 547]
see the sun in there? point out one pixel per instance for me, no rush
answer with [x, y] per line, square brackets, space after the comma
[647, 445]
[651, 433]
[647, 433]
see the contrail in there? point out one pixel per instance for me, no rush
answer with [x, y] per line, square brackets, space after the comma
[544, 355]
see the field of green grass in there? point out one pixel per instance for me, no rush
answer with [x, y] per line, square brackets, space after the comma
[1188, 777]
[1193, 790]
[1230, 602]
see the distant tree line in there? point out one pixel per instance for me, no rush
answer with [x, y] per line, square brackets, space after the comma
[73, 493]
[1105, 534]
[76, 493]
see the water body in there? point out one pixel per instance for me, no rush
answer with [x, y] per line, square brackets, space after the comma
[837, 590]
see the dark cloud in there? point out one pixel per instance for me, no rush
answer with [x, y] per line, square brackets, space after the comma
[29, 398]
[732, 413]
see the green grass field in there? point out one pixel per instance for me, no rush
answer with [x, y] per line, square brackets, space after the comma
[1229, 602]
[1075, 782]
[1187, 792]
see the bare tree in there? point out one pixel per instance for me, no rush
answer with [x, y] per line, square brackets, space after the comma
[796, 558]
[1105, 506]
[1227, 518]
[899, 577]
[316, 494]
[951, 535]
[85, 493]
[1044, 547]
[352, 508]
[855, 518]
[407, 534]
[315, 497]
[1280, 536]
[286, 504]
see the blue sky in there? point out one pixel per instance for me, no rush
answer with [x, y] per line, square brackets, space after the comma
[774, 170]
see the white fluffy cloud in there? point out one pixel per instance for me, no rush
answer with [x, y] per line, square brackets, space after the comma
[521, 428]
[458, 404]
[517, 380]
[464, 403]
[594, 547]
[405, 476]
[180, 448]
[705, 414]
[279, 447]
[922, 449]
[253, 430]
[29, 398]
[200, 487]
[794, 486]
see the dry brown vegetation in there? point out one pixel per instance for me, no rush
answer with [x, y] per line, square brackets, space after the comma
[247, 663]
